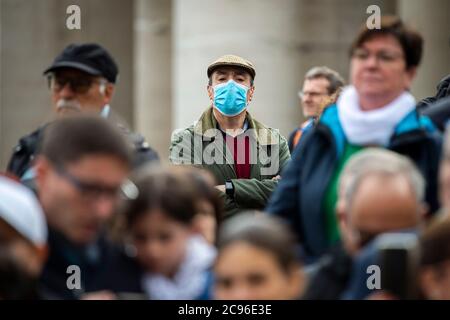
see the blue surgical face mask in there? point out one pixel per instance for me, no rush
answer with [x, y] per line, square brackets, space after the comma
[230, 98]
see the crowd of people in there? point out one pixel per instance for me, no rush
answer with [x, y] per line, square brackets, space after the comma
[353, 205]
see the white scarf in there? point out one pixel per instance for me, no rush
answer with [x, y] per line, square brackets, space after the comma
[374, 127]
[190, 280]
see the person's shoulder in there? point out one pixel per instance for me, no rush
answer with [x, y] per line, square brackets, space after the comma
[422, 122]
[417, 126]
[439, 113]
[179, 134]
[330, 116]
[24, 151]
[268, 131]
[294, 132]
[33, 137]
[328, 127]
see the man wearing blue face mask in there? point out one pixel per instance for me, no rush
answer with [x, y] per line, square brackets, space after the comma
[244, 156]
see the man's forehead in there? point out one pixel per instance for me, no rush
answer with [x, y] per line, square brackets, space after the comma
[93, 159]
[231, 69]
[317, 82]
[383, 201]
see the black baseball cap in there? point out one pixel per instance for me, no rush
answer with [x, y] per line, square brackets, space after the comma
[90, 58]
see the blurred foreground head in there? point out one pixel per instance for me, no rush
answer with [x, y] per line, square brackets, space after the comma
[384, 62]
[320, 87]
[435, 263]
[380, 191]
[160, 219]
[80, 171]
[257, 260]
[23, 238]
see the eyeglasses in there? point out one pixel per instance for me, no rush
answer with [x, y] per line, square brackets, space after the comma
[93, 191]
[79, 85]
[381, 56]
[313, 94]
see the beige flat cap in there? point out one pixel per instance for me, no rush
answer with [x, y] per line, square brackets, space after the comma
[232, 60]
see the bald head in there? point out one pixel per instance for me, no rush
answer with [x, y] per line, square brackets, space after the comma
[380, 191]
[384, 203]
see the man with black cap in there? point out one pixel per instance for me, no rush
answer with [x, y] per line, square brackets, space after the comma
[244, 155]
[81, 79]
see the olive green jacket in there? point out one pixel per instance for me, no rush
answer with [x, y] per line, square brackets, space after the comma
[202, 145]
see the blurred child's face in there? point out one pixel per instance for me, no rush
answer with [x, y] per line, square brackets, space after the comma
[205, 221]
[160, 242]
[245, 272]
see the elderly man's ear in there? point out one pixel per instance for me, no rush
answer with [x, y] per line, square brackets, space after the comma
[210, 90]
[341, 215]
[108, 93]
[251, 91]
[424, 211]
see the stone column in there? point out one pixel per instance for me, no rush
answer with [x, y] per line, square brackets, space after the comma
[152, 72]
[432, 20]
[32, 34]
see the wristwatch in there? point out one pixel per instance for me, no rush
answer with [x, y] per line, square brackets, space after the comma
[229, 189]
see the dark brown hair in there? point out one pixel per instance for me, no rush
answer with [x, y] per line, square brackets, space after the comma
[410, 40]
[159, 189]
[264, 232]
[335, 81]
[203, 185]
[69, 139]
[435, 242]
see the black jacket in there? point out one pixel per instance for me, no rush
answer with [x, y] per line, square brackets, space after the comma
[442, 91]
[28, 147]
[331, 277]
[93, 262]
[439, 113]
[127, 275]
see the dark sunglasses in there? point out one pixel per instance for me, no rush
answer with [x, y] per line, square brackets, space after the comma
[78, 84]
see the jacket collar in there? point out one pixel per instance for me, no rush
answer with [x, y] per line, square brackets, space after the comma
[260, 132]
[412, 122]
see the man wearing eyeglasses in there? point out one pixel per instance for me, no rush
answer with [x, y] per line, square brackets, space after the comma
[82, 79]
[81, 175]
[320, 84]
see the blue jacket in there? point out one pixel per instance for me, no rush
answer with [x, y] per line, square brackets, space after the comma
[298, 197]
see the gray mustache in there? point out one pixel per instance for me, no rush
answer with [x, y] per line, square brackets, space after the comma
[68, 104]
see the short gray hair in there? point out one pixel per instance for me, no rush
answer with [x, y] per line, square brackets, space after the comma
[383, 162]
[334, 78]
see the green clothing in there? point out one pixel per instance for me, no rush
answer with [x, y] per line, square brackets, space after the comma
[202, 145]
[331, 194]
